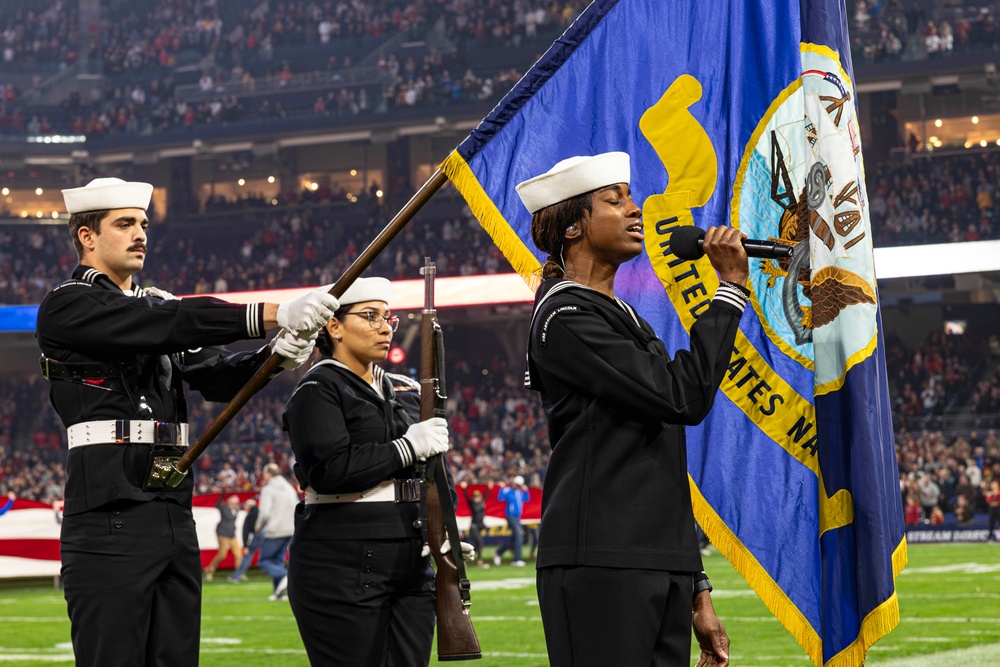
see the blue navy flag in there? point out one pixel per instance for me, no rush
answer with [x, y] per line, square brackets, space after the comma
[739, 111]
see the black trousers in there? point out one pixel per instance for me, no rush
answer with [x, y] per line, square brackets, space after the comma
[605, 616]
[476, 535]
[131, 575]
[362, 603]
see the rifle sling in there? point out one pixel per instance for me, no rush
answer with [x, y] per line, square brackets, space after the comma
[437, 464]
[421, 522]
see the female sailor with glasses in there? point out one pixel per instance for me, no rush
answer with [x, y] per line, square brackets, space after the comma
[361, 591]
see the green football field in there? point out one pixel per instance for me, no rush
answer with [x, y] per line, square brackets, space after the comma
[949, 598]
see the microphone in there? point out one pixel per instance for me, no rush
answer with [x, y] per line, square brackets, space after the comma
[686, 242]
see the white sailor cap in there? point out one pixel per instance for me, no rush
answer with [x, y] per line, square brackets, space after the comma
[107, 194]
[574, 176]
[366, 289]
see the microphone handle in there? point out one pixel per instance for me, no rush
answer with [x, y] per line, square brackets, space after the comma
[759, 248]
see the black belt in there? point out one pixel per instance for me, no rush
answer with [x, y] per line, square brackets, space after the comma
[82, 370]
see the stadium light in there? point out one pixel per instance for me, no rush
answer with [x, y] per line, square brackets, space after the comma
[938, 123]
[39, 191]
[975, 120]
[5, 192]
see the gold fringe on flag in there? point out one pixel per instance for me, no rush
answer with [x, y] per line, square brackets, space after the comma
[877, 624]
[492, 220]
[767, 589]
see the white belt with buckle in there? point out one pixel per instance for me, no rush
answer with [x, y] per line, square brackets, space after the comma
[389, 491]
[127, 431]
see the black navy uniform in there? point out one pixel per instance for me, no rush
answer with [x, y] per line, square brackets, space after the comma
[616, 499]
[130, 559]
[360, 590]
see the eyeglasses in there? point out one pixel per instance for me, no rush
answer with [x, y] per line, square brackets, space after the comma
[376, 320]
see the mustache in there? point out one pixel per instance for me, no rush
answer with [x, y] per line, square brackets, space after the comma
[137, 246]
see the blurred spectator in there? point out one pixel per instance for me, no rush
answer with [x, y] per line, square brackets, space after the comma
[930, 494]
[225, 531]
[276, 523]
[251, 543]
[992, 494]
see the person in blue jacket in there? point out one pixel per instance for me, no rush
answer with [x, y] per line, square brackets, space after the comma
[513, 497]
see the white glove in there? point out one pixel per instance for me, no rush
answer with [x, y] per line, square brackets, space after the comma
[468, 551]
[158, 293]
[295, 349]
[428, 438]
[308, 312]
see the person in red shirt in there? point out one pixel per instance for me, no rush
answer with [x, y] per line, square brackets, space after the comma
[993, 502]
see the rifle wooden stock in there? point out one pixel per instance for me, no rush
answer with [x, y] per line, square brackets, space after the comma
[270, 366]
[456, 638]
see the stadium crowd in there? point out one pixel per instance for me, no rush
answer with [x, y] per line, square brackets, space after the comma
[137, 36]
[946, 478]
[309, 243]
[942, 375]
[310, 237]
[945, 475]
[261, 64]
[889, 31]
[940, 199]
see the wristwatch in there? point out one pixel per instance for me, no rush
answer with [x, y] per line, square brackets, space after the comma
[702, 585]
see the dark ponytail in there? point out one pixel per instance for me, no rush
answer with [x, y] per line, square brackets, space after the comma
[324, 342]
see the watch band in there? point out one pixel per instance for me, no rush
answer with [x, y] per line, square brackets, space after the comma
[742, 288]
[702, 585]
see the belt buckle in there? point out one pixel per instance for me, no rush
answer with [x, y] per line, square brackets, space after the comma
[407, 490]
[165, 433]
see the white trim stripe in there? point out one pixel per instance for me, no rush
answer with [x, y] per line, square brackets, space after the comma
[628, 309]
[253, 328]
[405, 451]
[732, 296]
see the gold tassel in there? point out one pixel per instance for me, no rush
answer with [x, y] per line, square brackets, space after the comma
[492, 220]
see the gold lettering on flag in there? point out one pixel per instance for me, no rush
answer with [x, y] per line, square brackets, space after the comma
[751, 383]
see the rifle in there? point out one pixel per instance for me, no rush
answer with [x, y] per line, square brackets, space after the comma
[456, 638]
[172, 474]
